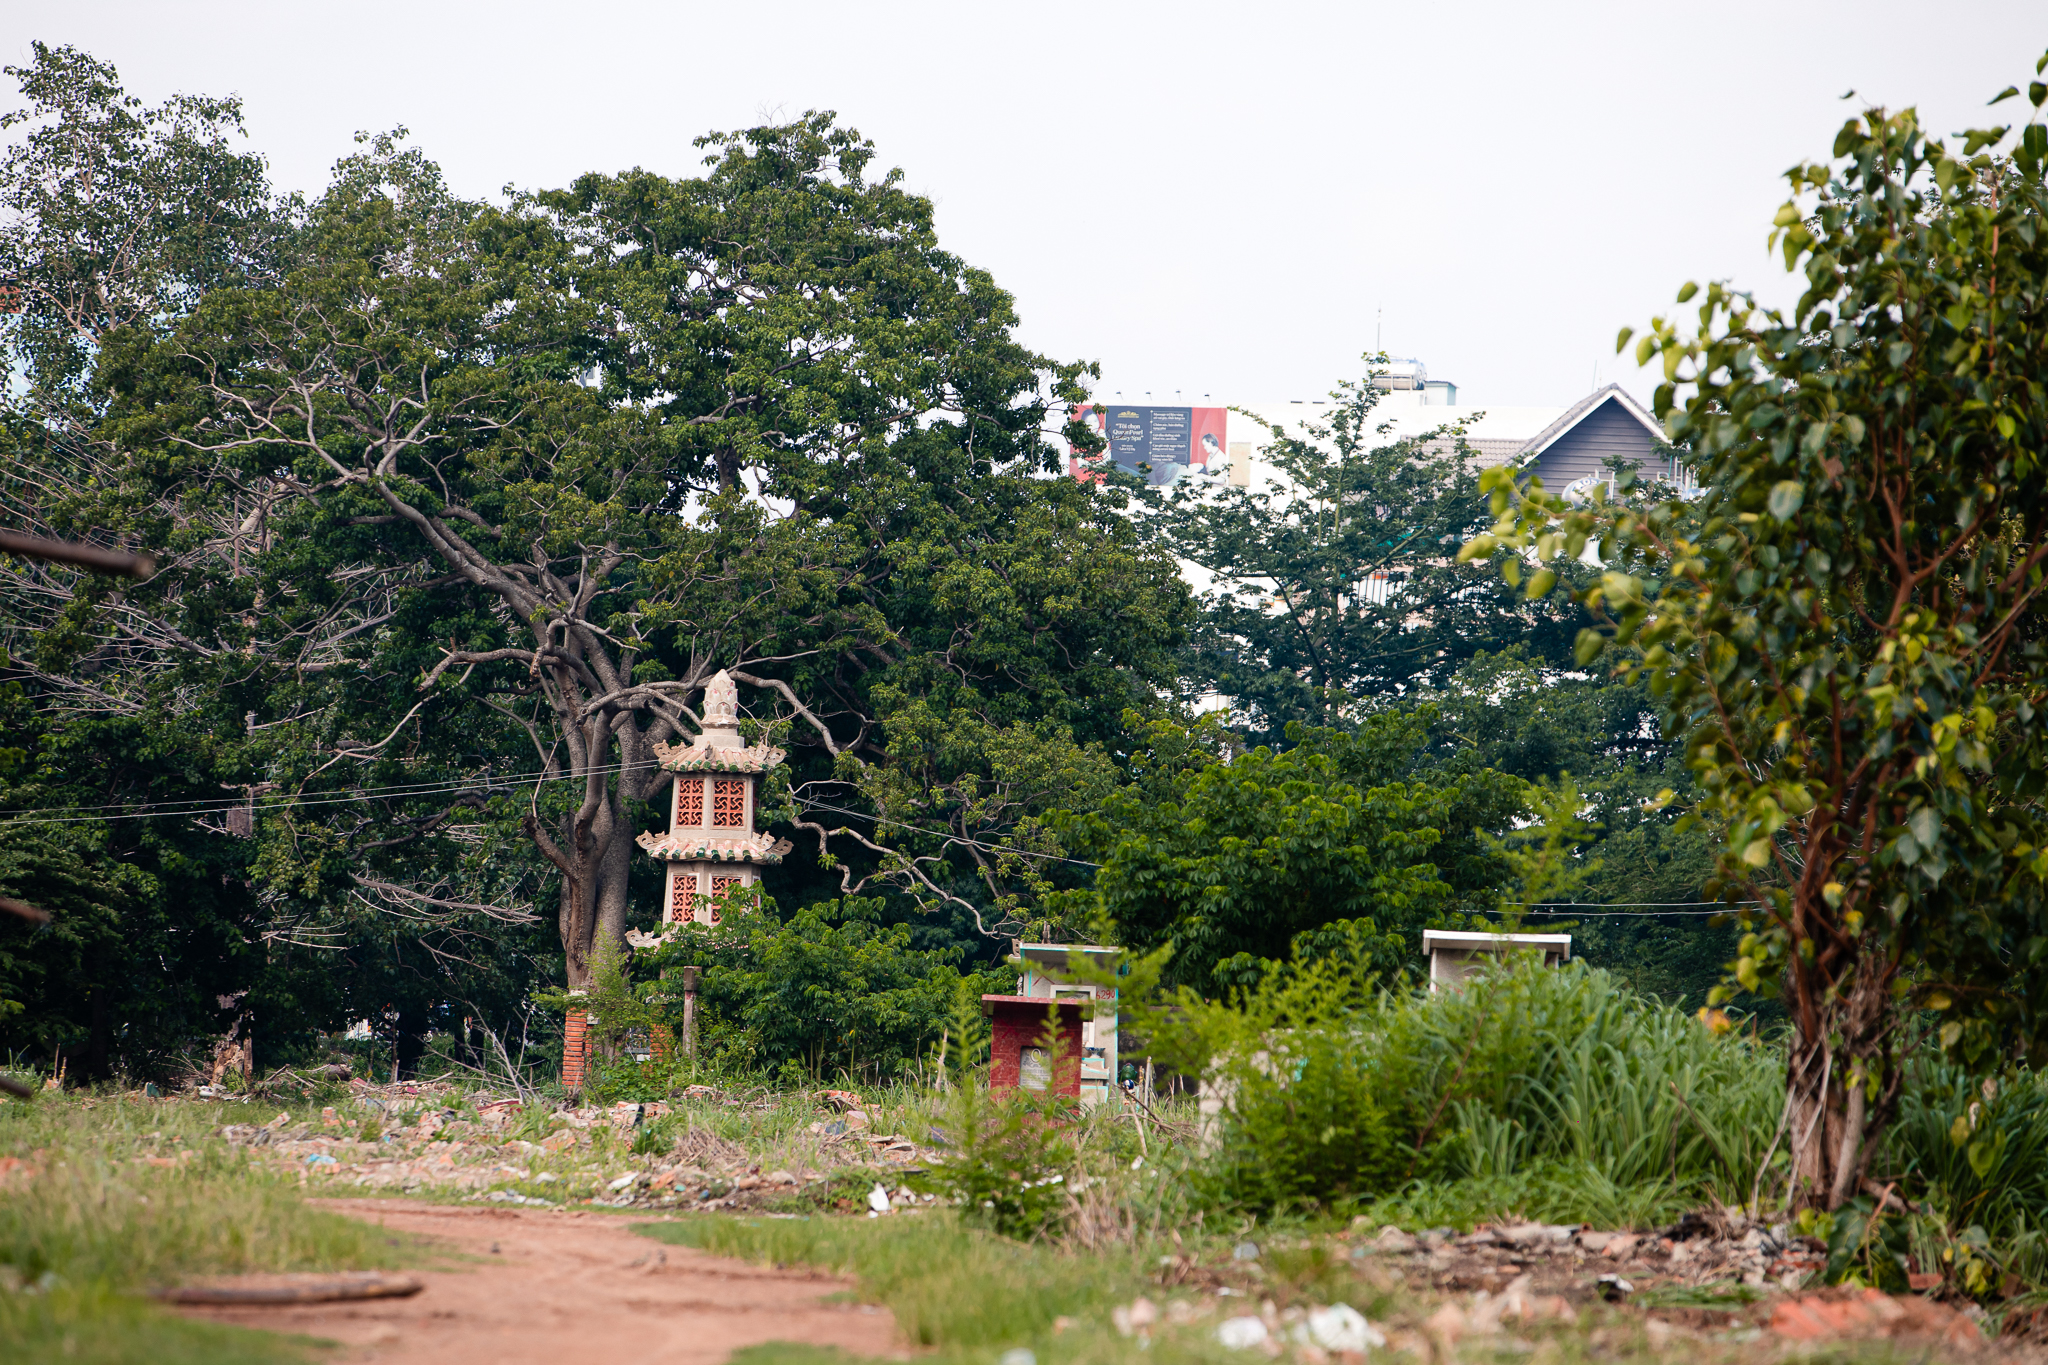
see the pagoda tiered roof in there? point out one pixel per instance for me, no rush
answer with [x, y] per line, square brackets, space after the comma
[685, 758]
[715, 846]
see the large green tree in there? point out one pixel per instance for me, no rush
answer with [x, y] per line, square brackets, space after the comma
[113, 212]
[460, 505]
[1846, 629]
[1336, 586]
[1229, 857]
[1649, 867]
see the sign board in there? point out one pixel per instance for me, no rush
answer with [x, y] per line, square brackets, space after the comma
[1157, 444]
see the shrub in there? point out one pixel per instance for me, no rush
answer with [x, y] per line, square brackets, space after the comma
[1011, 1157]
[1547, 1087]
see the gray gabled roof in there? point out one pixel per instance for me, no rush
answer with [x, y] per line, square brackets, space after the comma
[1579, 412]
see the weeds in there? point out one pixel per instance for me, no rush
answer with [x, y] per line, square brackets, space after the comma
[948, 1284]
[116, 1196]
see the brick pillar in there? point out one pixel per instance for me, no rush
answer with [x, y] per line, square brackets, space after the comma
[575, 1049]
[661, 1044]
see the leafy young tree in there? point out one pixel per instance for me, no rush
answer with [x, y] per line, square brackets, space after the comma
[829, 990]
[1338, 587]
[1846, 629]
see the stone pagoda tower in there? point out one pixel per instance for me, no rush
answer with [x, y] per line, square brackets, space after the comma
[711, 844]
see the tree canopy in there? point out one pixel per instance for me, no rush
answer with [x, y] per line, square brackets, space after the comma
[1845, 627]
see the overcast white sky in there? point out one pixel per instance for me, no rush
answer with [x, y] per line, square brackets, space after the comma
[1207, 198]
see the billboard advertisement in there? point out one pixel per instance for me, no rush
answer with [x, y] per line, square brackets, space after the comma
[1156, 444]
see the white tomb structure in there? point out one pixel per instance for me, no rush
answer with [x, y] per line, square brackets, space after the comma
[1455, 954]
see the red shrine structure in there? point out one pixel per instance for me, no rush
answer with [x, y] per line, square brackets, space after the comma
[711, 845]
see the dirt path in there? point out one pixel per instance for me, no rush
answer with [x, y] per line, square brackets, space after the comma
[564, 1288]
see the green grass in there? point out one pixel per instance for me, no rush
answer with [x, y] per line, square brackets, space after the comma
[967, 1297]
[939, 1278]
[97, 1223]
[98, 1326]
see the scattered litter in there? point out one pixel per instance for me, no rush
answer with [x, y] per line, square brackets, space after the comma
[1340, 1327]
[1135, 1318]
[624, 1182]
[1516, 1304]
[1017, 1355]
[1614, 1289]
[1245, 1251]
[13, 1282]
[1394, 1242]
[320, 1159]
[878, 1201]
[1241, 1334]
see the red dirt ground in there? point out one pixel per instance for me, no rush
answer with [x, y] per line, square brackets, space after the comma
[565, 1288]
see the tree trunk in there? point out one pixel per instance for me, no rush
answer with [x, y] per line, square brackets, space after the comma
[1841, 1084]
[593, 896]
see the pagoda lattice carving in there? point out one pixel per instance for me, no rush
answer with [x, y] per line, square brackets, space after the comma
[712, 845]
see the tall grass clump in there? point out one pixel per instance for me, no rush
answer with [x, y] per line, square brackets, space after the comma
[1528, 1090]
[1529, 1065]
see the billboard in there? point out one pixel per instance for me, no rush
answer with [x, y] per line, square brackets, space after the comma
[1156, 444]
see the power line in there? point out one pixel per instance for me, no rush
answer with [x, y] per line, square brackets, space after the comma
[207, 806]
[1625, 909]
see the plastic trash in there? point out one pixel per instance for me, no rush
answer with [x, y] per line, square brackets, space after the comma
[1241, 1334]
[1340, 1327]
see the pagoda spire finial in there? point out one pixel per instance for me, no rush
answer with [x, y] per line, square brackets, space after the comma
[721, 702]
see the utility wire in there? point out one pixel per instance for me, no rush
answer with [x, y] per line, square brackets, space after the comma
[270, 801]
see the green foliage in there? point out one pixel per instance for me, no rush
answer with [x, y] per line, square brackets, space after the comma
[1528, 1085]
[548, 539]
[115, 211]
[1308, 1129]
[1971, 1155]
[98, 1326]
[102, 1223]
[1229, 861]
[931, 1271]
[1541, 1190]
[1845, 627]
[830, 991]
[1009, 1159]
[1290, 632]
